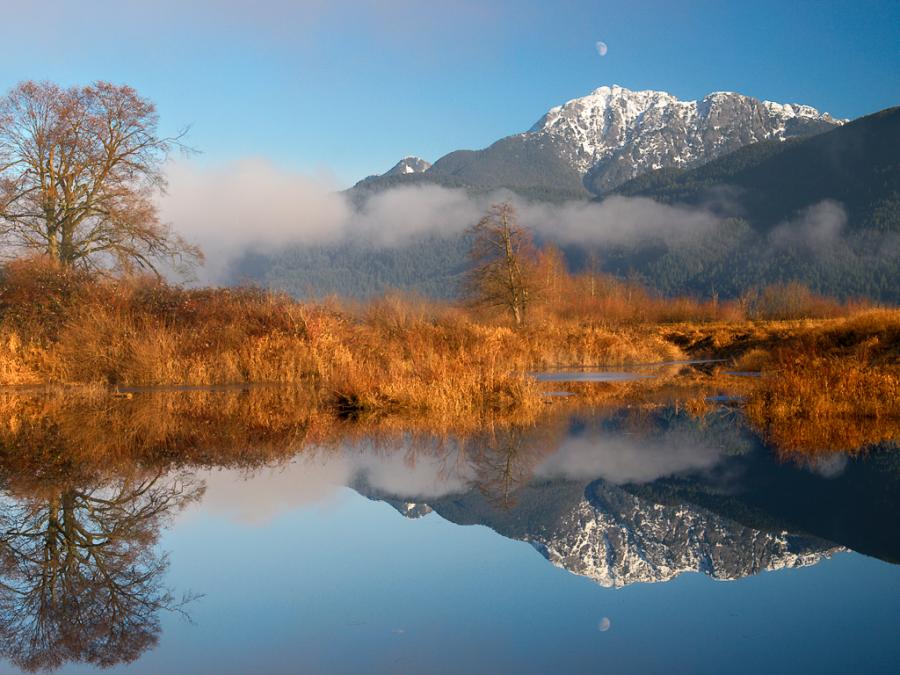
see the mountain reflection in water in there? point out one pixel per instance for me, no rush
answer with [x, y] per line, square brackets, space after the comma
[618, 495]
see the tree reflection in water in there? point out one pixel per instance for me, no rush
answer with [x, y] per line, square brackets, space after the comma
[504, 458]
[80, 579]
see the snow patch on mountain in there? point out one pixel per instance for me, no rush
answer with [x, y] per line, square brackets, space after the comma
[617, 133]
[409, 165]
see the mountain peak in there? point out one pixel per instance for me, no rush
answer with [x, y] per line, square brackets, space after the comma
[614, 134]
[601, 98]
[409, 164]
[595, 143]
[615, 90]
[621, 539]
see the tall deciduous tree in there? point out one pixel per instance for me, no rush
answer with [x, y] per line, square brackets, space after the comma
[79, 168]
[503, 263]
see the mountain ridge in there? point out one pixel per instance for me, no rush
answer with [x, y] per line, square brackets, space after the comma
[856, 164]
[592, 144]
[823, 210]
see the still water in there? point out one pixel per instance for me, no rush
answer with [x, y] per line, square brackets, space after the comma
[622, 541]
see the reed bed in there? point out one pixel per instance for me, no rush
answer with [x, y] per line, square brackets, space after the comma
[59, 326]
[403, 355]
[831, 387]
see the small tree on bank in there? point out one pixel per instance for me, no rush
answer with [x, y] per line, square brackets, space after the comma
[504, 261]
[79, 169]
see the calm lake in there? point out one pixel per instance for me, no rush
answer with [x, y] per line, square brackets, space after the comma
[625, 540]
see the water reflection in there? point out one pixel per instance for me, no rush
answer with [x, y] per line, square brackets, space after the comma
[623, 459]
[580, 496]
[619, 495]
[80, 579]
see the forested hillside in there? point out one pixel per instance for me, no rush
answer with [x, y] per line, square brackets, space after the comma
[428, 265]
[823, 210]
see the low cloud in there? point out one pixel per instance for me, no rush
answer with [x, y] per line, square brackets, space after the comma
[409, 471]
[616, 220]
[391, 217]
[318, 475]
[255, 206]
[251, 205]
[816, 228]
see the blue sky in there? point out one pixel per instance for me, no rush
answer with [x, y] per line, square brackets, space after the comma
[347, 87]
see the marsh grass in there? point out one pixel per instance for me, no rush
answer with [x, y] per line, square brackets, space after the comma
[394, 354]
[831, 387]
[821, 404]
[402, 355]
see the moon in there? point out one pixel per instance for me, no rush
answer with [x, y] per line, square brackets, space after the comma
[604, 624]
[602, 48]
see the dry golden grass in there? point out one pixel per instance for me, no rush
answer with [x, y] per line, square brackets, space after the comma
[401, 355]
[394, 354]
[62, 431]
[817, 402]
[828, 386]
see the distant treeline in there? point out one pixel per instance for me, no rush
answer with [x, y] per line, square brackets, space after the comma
[729, 262]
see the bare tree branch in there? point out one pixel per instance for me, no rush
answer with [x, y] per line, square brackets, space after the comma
[503, 263]
[78, 171]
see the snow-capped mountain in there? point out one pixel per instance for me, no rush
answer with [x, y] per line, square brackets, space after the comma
[595, 143]
[408, 165]
[614, 134]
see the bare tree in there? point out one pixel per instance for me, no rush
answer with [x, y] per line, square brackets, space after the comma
[79, 169]
[503, 263]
